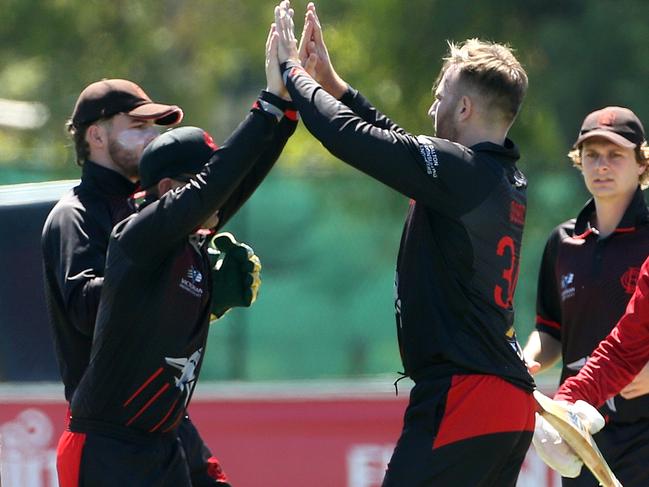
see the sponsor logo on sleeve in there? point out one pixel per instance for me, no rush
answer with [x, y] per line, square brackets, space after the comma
[567, 286]
[431, 160]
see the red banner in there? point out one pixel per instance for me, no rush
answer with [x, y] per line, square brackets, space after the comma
[263, 436]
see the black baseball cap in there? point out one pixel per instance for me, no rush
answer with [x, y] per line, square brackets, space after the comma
[183, 150]
[108, 97]
[617, 124]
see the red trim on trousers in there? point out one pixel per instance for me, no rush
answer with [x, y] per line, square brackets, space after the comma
[478, 405]
[68, 458]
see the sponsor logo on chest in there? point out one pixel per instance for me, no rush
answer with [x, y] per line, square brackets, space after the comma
[517, 213]
[191, 282]
[567, 286]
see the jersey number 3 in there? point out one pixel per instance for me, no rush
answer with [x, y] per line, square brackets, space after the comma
[505, 296]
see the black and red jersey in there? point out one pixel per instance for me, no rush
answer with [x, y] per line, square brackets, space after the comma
[585, 283]
[459, 255]
[153, 317]
[619, 357]
[74, 242]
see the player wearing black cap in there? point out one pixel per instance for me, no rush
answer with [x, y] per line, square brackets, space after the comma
[266, 139]
[109, 142]
[588, 273]
[112, 121]
[471, 412]
[154, 312]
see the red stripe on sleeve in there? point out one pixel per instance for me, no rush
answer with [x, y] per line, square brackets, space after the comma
[550, 323]
[291, 114]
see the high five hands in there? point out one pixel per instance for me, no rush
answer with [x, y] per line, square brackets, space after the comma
[312, 52]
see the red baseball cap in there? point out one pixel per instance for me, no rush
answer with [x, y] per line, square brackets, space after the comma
[617, 124]
[108, 97]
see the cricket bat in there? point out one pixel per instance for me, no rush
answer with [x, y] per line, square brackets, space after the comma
[577, 436]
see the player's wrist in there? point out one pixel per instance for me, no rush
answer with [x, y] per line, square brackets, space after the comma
[272, 104]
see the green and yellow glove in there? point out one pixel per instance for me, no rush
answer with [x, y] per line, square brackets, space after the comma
[235, 274]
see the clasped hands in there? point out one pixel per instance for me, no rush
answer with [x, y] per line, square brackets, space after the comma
[311, 53]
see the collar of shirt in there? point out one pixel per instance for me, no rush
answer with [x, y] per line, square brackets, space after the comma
[508, 152]
[107, 181]
[635, 214]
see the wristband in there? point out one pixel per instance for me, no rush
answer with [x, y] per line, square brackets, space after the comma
[286, 106]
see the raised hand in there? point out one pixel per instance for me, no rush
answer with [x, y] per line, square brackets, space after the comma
[274, 82]
[313, 53]
[287, 44]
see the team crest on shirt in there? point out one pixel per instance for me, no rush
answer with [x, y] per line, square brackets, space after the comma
[629, 279]
[191, 282]
[567, 286]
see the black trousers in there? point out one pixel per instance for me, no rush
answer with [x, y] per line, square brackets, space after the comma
[465, 430]
[204, 468]
[95, 460]
[626, 450]
[76, 454]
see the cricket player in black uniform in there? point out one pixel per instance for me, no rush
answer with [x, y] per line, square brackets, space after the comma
[112, 122]
[153, 317]
[471, 412]
[588, 273]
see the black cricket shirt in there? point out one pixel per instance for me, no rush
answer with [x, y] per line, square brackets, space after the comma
[585, 283]
[459, 254]
[153, 316]
[74, 242]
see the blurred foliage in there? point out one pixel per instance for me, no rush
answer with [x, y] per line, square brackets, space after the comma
[329, 236]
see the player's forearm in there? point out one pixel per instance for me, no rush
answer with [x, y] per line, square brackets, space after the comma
[260, 170]
[619, 357]
[364, 109]
[386, 155]
[83, 305]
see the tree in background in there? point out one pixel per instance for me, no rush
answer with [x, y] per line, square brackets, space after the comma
[206, 56]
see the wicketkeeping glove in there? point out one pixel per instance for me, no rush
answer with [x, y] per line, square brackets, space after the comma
[235, 274]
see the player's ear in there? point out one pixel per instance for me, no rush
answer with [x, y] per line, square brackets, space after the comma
[164, 185]
[96, 136]
[465, 108]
